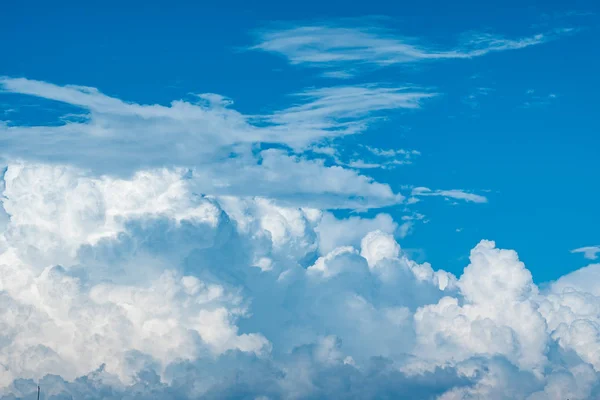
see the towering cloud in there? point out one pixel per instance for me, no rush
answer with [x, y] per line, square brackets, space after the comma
[140, 287]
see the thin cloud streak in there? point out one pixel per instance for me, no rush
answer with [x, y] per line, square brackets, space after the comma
[452, 194]
[331, 46]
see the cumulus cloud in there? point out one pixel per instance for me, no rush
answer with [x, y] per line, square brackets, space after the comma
[478, 326]
[140, 287]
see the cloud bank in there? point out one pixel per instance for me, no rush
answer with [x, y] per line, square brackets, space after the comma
[140, 287]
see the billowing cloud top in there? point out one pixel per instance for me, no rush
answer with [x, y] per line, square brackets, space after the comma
[117, 287]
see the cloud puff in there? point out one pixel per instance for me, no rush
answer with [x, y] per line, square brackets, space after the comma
[589, 252]
[140, 287]
[452, 331]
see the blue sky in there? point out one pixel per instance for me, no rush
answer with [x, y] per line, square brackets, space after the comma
[518, 126]
[299, 200]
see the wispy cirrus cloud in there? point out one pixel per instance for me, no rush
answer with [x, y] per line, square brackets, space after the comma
[346, 48]
[119, 137]
[393, 153]
[345, 108]
[373, 158]
[219, 144]
[386, 158]
[208, 123]
[450, 194]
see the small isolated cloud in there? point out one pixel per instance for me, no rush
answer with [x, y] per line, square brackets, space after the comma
[534, 99]
[380, 158]
[408, 224]
[589, 252]
[338, 74]
[473, 99]
[333, 45]
[449, 194]
[393, 153]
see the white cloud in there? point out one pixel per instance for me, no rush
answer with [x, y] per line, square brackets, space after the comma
[393, 153]
[338, 74]
[473, 99]
[332, 46]
[160, 286]
[377, 246]
[589, 252]
[372, 159]
[329, 107]
[204, 128]
[391, 158]
[582, 280]
[334, 232]
[450, 194]
[536, 100]
[219, 144]
[120, 138]
[452, 331]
